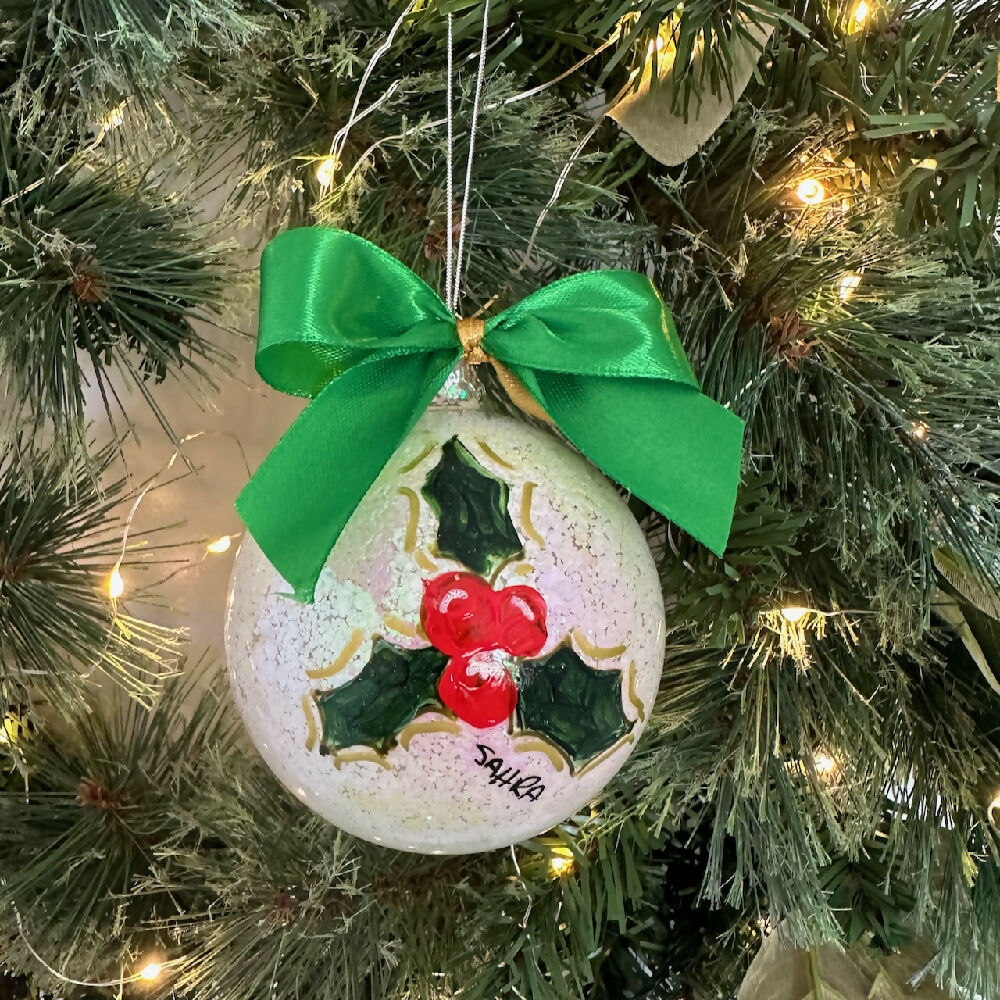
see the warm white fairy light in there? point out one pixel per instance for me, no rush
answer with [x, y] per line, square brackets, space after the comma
[824, 764]
[326, 170]
[848, 285]
[655, 45]
[919, 430]
[794, 613]
[114, 118]
[150, 972]
[810, 191]
[561, 863]
[221, 544]
[861, 13]
[994, 806]
[116, 585]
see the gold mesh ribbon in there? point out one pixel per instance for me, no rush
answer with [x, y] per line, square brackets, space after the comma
[471, 331]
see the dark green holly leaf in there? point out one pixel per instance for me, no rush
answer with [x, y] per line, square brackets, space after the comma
[391, 690]
[474, 525]
[573, 706]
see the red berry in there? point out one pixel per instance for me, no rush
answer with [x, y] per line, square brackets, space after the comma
[457, 613]
[479, 699]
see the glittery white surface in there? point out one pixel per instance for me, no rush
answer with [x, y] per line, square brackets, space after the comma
[595, 573]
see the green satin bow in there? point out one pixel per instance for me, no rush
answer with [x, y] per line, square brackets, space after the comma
[346, 324]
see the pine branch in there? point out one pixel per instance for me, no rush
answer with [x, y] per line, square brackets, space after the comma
[84, 57]
[59, 538]
[97, 800]
[98, 265]
[288, 904]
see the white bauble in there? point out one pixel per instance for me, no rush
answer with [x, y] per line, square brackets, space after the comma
[356, 723]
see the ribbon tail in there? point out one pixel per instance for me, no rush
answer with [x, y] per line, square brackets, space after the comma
[302, 496]
[666, 442]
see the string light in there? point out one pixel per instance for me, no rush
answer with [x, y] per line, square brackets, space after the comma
[993, 806]
[220, 545]
[824, 764]
[114, 118]
[150, 972]
[848, 285]
[919, 430]
[655, 45]
[116, 585]
[810, 191]
[793, 614]
[326, 169]
[561, 863]
[860, 15]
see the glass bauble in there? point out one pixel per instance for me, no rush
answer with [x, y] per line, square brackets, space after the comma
[483, 652]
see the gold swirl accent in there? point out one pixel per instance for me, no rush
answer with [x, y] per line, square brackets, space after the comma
[341, 757]
[312, 733]
[490, 453]
[596, 652]
[398, 625]
[322, 673]
[410, 466]
[632, 696]
[601, 758]
[410, 540]
[418, 726]
[529, 529]
[532, 744]
[423, 561]
[524, 569]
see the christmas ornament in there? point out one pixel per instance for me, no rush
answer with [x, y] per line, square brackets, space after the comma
[471, 658]
[781, 972]
[670, 128]
[483, 650]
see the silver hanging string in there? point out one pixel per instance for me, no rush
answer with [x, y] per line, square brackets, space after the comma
[464, 218]
[450, 170]
[341, 137]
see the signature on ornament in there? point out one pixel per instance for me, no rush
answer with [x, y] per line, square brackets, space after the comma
[528, 787]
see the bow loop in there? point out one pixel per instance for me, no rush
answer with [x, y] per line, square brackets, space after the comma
[347, 324]
[603, 323]
[329, 300]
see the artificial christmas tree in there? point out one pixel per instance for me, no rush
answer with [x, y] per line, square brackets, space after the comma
[822, 755]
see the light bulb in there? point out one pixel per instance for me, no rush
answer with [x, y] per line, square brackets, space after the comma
[794, 614]
[150, 971]
[116, 585]
[919, 430]
[848, 283]
[325, 171]
[860, 14]
[114, 118]
[561, 864]
[221, 544]
[810, 191]
[824, 763]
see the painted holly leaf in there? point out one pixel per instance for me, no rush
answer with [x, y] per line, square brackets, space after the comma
[572, 705]
[394, 686]
[474, 525]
